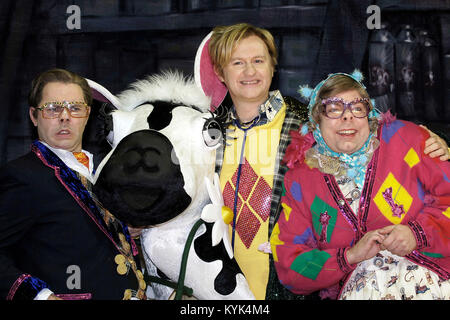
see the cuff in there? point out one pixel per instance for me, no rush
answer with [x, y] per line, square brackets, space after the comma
[43, 294]
[419, 234]
[342, 261]
[26, 287]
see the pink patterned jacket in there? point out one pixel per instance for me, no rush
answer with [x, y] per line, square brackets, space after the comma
[317, 225]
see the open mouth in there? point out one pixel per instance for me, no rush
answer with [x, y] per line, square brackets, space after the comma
[63, 132]
[141, 199]
[349, 132]
[253, 82]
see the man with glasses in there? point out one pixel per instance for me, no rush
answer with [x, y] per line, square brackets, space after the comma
[56, 239]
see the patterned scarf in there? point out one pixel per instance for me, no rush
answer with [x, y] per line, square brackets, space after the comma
[355, 163]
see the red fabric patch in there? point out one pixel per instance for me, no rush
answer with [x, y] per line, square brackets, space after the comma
[247, 226]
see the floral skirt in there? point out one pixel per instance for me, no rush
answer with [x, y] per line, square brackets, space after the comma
[390, 277]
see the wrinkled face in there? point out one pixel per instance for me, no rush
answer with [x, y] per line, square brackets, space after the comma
[153, 173]
[348, 133]
[63, 132]
[249, 72]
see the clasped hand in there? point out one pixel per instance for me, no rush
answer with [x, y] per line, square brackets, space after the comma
[398, 239]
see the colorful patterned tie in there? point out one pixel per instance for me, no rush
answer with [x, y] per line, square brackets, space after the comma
[82, 158]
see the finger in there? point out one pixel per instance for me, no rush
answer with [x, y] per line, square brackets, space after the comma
[436, 153]
[432, 146]
[431, 140]
[445, 157]
[388, 242]
[378, 238]
[386, 230]
[425, 127]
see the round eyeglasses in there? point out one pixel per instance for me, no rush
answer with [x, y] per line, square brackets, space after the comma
[335, 107]
[76, 109]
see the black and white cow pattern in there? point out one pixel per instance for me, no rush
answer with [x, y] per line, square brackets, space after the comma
[163, 147]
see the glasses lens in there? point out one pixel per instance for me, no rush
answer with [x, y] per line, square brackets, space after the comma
[334, 109]
[77, 110]
[52, 110]
[359, 109]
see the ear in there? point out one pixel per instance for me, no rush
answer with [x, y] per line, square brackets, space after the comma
[33, 119]
[218, 73]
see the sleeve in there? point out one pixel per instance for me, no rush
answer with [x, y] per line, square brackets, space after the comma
[431, 228]
[301, 266]
[15, 221]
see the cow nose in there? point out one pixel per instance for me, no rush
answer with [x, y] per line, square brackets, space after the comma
[150, 159]
[145, 159]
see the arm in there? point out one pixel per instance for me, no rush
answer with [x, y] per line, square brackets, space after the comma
[301, 266]
[431, 228]
[15, 221]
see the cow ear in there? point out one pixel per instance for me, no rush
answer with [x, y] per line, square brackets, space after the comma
[101, 94]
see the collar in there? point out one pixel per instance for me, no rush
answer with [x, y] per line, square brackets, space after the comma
[268, 110]
[69, 159]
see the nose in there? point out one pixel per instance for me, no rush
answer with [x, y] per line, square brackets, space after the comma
[65, 115]
[250, 69]
[348, 115]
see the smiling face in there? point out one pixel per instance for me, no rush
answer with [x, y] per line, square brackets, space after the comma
[63, 132]
[249, 72]
[348, 133]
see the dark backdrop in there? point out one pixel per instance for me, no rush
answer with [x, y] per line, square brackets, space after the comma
[123, 40]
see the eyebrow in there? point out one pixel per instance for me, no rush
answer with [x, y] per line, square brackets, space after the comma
[239, 58]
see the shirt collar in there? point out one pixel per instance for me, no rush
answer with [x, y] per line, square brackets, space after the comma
[273, 104]
[69, 159]
[268, 110]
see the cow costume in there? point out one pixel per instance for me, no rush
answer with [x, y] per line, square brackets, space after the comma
[160, 174]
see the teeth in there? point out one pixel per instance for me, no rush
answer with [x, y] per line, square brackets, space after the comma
[250, 82]
[347, 131]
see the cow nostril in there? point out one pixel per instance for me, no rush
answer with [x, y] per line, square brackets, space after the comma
[132, 158]
[150, 160]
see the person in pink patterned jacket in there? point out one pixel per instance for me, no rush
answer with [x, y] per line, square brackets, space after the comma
[366, 214]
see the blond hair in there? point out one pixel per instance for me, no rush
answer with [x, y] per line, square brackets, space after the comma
[224, 40]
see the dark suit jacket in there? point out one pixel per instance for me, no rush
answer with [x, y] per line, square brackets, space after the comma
[52, 234]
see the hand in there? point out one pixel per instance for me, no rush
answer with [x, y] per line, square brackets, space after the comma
[435, 146]
[367, 247]
[399, 239]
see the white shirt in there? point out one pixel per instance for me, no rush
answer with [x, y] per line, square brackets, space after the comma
[69, 159]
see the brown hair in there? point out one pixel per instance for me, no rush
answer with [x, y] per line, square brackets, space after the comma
[225, 38]
[335, 85]
[56, 75]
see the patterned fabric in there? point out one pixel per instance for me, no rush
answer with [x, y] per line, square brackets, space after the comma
[254, 196]
[402, 185]
[355, 164]
[294, 115]
[246, 180]
[390, 277]
[82, 158]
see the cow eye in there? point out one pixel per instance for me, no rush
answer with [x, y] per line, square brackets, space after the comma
[212, 133]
